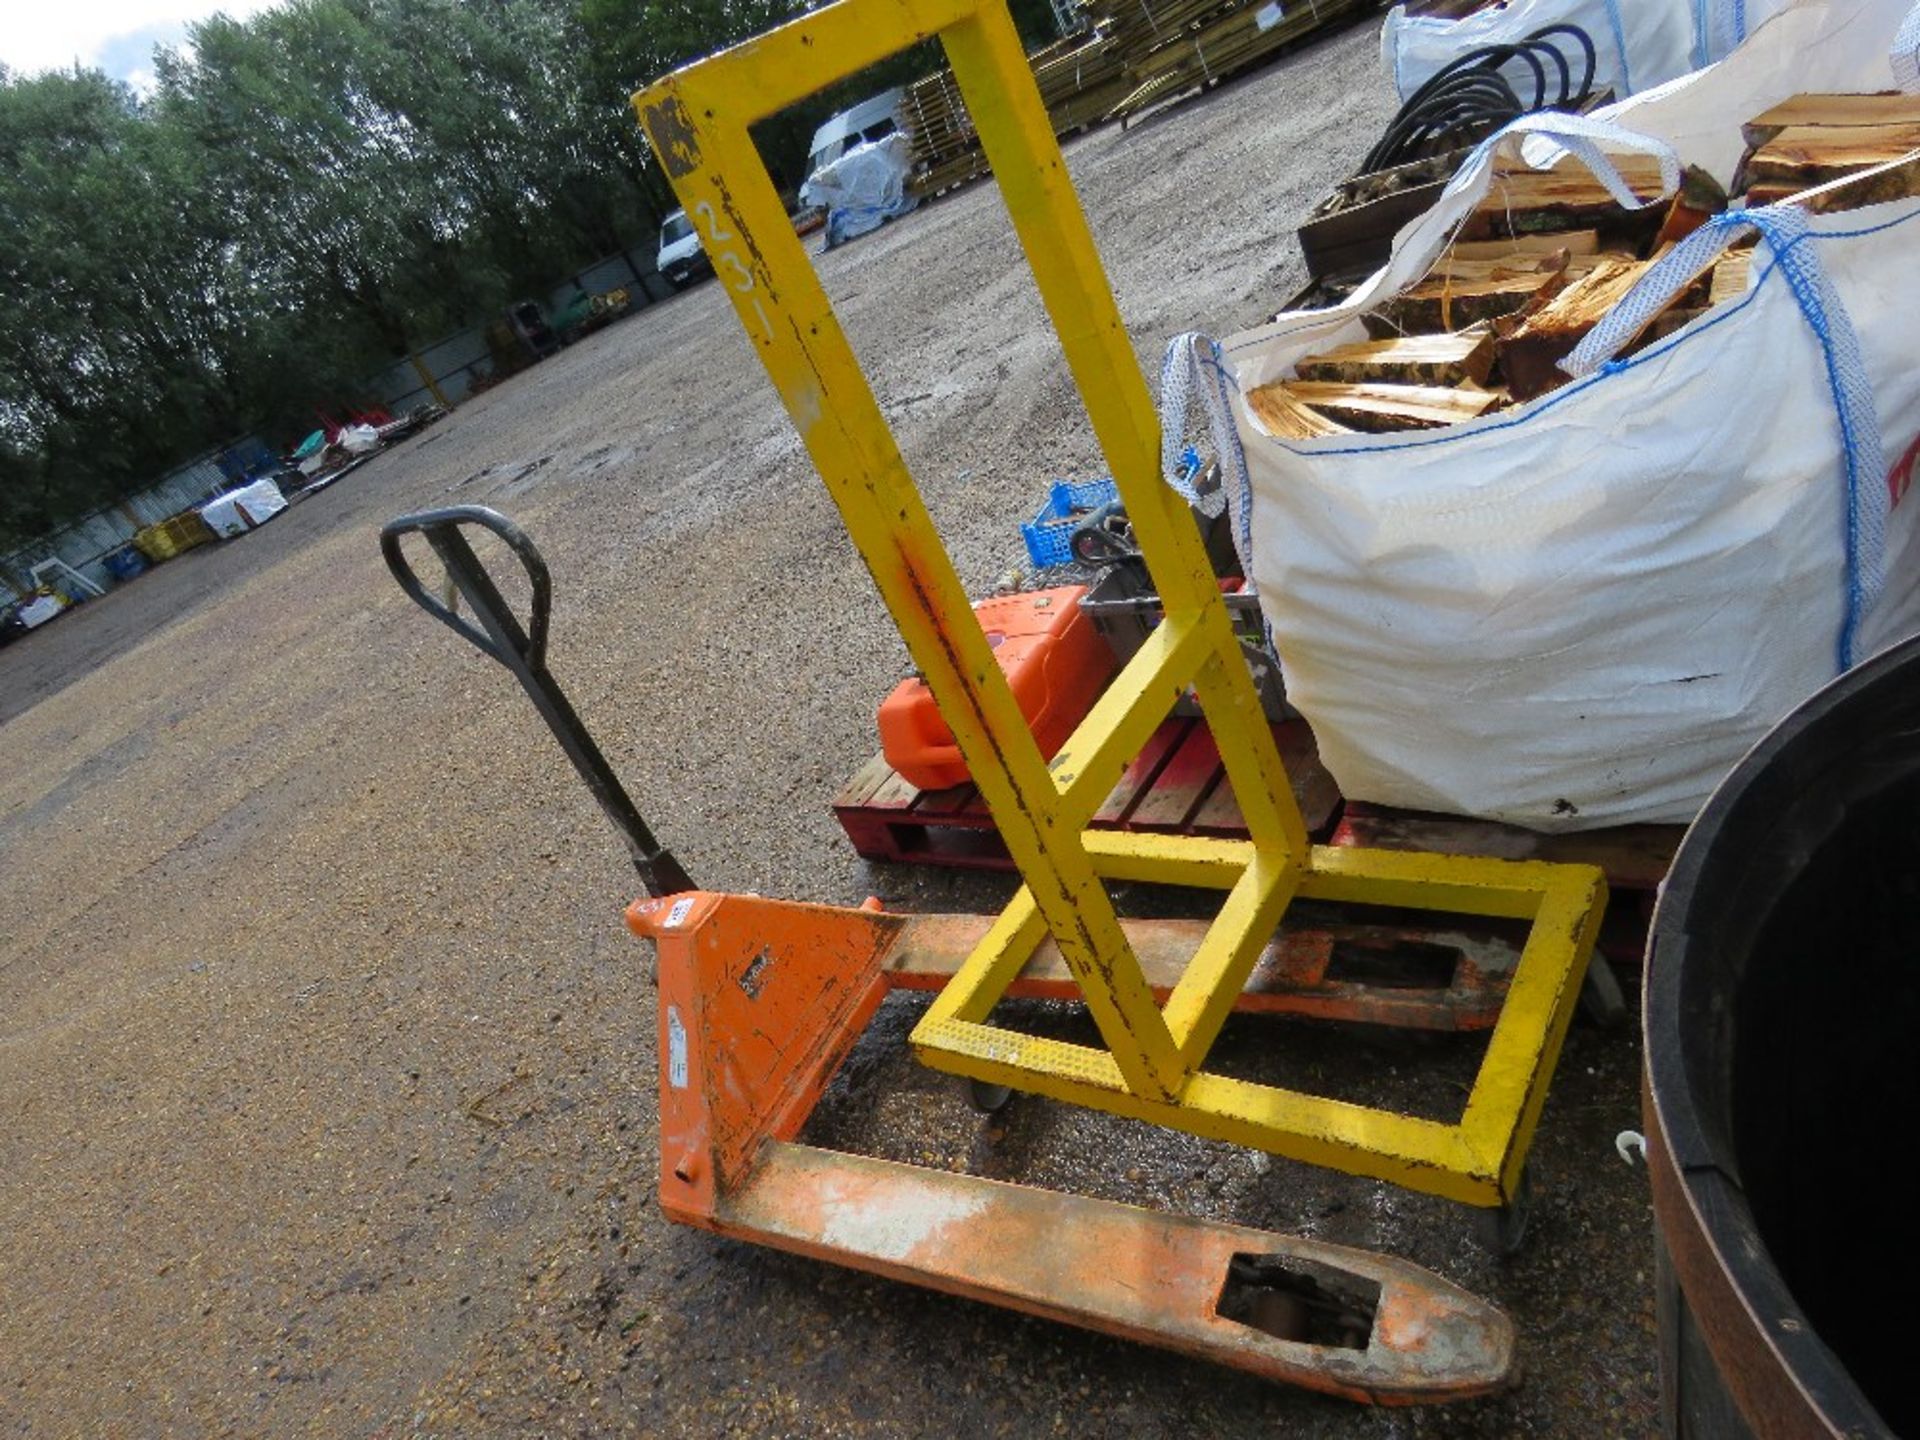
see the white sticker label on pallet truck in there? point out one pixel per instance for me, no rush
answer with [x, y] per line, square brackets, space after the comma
[678, 912]
[676, 1049]
[1268, 16]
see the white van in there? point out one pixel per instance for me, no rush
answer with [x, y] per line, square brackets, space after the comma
[681, 255]
[872, 119]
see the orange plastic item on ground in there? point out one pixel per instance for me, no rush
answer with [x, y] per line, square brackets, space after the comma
[1053, 658]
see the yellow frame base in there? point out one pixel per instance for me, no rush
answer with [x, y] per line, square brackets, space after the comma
[697, 120]
[1477, 1160]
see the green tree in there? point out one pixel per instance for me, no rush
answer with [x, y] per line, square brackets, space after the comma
[114, 351]
[342, 207]
[312, 193]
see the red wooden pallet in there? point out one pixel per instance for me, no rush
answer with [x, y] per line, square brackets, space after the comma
[1177, 785]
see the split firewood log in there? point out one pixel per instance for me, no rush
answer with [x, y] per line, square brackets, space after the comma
[1454, 359]
[1801, 157]
[1377, 408]
[1730, 272]
[1574, 242]
[1288, 419]
[1443, 304]
[1567, 198]
[1530, 356]
[1895, 180]
[1699, 196]
[1885, 108]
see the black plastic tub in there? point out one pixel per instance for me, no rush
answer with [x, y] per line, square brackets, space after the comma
[1782, 1020]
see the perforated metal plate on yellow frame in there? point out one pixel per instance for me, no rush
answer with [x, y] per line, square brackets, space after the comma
[1150, 1067]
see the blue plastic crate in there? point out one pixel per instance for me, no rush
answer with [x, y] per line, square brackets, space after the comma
[1050, 533]
[125, 563]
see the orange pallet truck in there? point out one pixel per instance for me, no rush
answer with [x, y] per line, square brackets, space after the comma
[759, 1000]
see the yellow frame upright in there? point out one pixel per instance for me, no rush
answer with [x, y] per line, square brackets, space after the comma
[1151, 1066]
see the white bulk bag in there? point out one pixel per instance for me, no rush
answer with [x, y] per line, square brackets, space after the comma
[1582, 610]
[1810, 47]
[1637, 44]
[1722, 26]
[238, 511]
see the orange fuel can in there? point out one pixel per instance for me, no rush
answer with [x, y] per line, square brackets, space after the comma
[1054, 659]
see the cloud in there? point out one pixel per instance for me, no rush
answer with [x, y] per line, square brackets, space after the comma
[129, 57]
[117, 36]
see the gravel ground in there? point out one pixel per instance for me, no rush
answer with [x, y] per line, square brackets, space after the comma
[326, 1065]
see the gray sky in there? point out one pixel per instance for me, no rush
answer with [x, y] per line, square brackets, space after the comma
[117, 36]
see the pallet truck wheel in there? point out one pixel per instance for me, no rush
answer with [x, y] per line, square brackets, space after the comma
[988, 1098]
[1503, 1229]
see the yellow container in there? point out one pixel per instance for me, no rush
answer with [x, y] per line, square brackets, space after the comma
[173, 536]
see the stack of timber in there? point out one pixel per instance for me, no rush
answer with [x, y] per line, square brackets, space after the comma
[1080, 77]
[946, 150]
[1190, 44]
[1132, 55]
[1549, 254]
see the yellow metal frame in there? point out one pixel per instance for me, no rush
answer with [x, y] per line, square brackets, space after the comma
[1150, 1067]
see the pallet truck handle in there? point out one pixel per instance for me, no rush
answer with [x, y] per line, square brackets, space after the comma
[498, 633]
[503, 632]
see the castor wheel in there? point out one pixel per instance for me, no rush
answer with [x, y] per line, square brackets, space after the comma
[1503, 1228]
[987, 1097]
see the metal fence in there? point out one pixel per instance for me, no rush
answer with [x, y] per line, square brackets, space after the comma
[453, 363]
[85, 544]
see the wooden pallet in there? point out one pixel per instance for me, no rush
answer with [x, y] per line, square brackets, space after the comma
[1635, 857]
[1177, 785]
